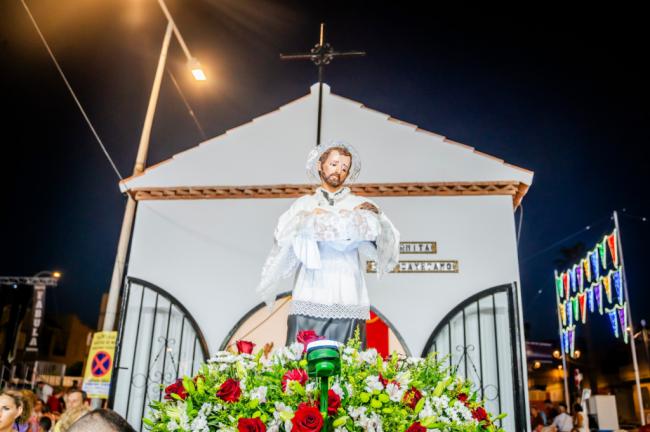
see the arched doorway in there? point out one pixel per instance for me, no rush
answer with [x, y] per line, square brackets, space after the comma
[480, 340]
[158, 341]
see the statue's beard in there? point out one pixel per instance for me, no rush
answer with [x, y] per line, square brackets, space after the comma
[333, 180]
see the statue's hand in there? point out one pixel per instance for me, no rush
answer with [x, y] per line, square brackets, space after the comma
[319, 210]
[367, 206]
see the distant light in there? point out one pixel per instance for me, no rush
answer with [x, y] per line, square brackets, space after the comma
[556, 354]
[577, 354]
[197, 71]
[537, 365]
[559, 367]
[56, 274]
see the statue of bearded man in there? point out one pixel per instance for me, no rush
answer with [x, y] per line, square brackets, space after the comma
[319, 240]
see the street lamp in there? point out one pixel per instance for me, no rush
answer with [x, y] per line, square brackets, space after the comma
[141, 158]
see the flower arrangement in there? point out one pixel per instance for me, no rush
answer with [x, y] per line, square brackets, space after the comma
[251, 393]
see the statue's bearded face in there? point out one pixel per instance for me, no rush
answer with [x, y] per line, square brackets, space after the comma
[335, 168]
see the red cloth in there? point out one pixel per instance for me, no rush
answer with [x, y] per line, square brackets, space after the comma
[377, 334]
[54, 403]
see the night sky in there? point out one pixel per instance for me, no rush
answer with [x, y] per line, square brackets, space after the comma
[563, 93]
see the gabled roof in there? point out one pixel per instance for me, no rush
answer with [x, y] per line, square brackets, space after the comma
[272, 150]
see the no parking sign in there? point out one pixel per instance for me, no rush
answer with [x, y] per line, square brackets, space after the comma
[99, 366]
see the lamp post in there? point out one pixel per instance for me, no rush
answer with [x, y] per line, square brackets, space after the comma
[141, 159]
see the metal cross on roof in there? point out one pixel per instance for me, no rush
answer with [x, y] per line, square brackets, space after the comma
[321, 55]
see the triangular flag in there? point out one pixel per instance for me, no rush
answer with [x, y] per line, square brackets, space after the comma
[576, 308]
[587, 266]
[622, 319]
[572, 279]
[598, 294]
[602, 251]
[607, 284]
[565, 340]
[613, 247]
[558, 286]
[613, 320]
[617, 280]
[563, 313]
[582, 301]
[590, 299]
[572, 340]
[579, 277]
[595, 268]
[569, 312]
[565, 284]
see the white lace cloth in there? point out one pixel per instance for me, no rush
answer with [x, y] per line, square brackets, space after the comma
[324, 250]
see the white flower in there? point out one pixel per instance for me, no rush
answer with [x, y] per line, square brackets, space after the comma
[403, 378]
[369, 356]
[223, 357]
[349, 388]
[355, 413]
[172, 426]
[395, 393]
[310, 387]
[427, 411]
[296, 350]
[200, 424]
[336, 388]
[259, 393]
[414, 360]
[370, 424]
[341, 429]
[373, 383]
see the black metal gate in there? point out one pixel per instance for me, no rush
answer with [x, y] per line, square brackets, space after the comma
[481, 340]
[158, 342]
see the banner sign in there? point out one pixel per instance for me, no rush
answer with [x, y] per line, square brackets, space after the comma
[38, 313]
[99, 365]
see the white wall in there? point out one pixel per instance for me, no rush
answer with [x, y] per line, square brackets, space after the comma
[209, 254]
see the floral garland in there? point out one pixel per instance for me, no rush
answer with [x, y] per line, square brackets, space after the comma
[251, 393]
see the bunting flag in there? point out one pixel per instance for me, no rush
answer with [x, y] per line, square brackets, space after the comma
[607, 284]
[565, 340]
[613, 247]
[559, 287]
[579, 277]
[598, 294]
[569, 314]
[565, 284]
[572, 279]
[613, 320]
[562, 308]
[587, 266]
[593, 259]
[617, 280]
[571, 337]
[602, 252]
[590, 299]
[622, 319]
[576, 308]
[582, 302]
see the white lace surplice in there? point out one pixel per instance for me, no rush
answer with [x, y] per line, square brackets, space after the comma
[324, 249]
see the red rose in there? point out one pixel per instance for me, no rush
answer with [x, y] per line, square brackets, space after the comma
[416, 427]
[333, 402]
[412, 397]
[245, 347]
[462, 397]
[176, 388]
[294, 375]
[229, 390]
[479, 414]
[307, 336]
[250, 425]
[383, 380]
[307, 419]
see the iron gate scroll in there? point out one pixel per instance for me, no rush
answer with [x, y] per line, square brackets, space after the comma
[159, 341]
[481, 340]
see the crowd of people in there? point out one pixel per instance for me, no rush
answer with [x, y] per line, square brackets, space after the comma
[55, 409]
[557, 419]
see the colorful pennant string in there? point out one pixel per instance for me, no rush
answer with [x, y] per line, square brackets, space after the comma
[613, 247]
[602, 252]
[590, 299]
[559, 287]
[622, 319]
[565, 284]
[595, 268]
[582, 302]
[617, 280]
[569, 312]
[565, 340]
[562, 308]
[607, 284]
[613, 320]
[572, 342]
[576, 308]
[572, 279]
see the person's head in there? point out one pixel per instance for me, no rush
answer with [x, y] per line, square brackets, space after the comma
[577, 408]
[44, 424]
[533, 412]
[13, 409]
[74, 398]
[101, 420]
[562, 407]
[38, 406]
[334, 167]
[548, 403]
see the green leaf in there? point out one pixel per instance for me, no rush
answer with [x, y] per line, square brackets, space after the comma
[419, 406]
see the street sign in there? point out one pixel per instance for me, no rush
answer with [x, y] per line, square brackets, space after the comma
[99, 366]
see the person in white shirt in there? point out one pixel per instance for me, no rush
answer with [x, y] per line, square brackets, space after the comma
[563, 421]
[318, 239]
[580, 419]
